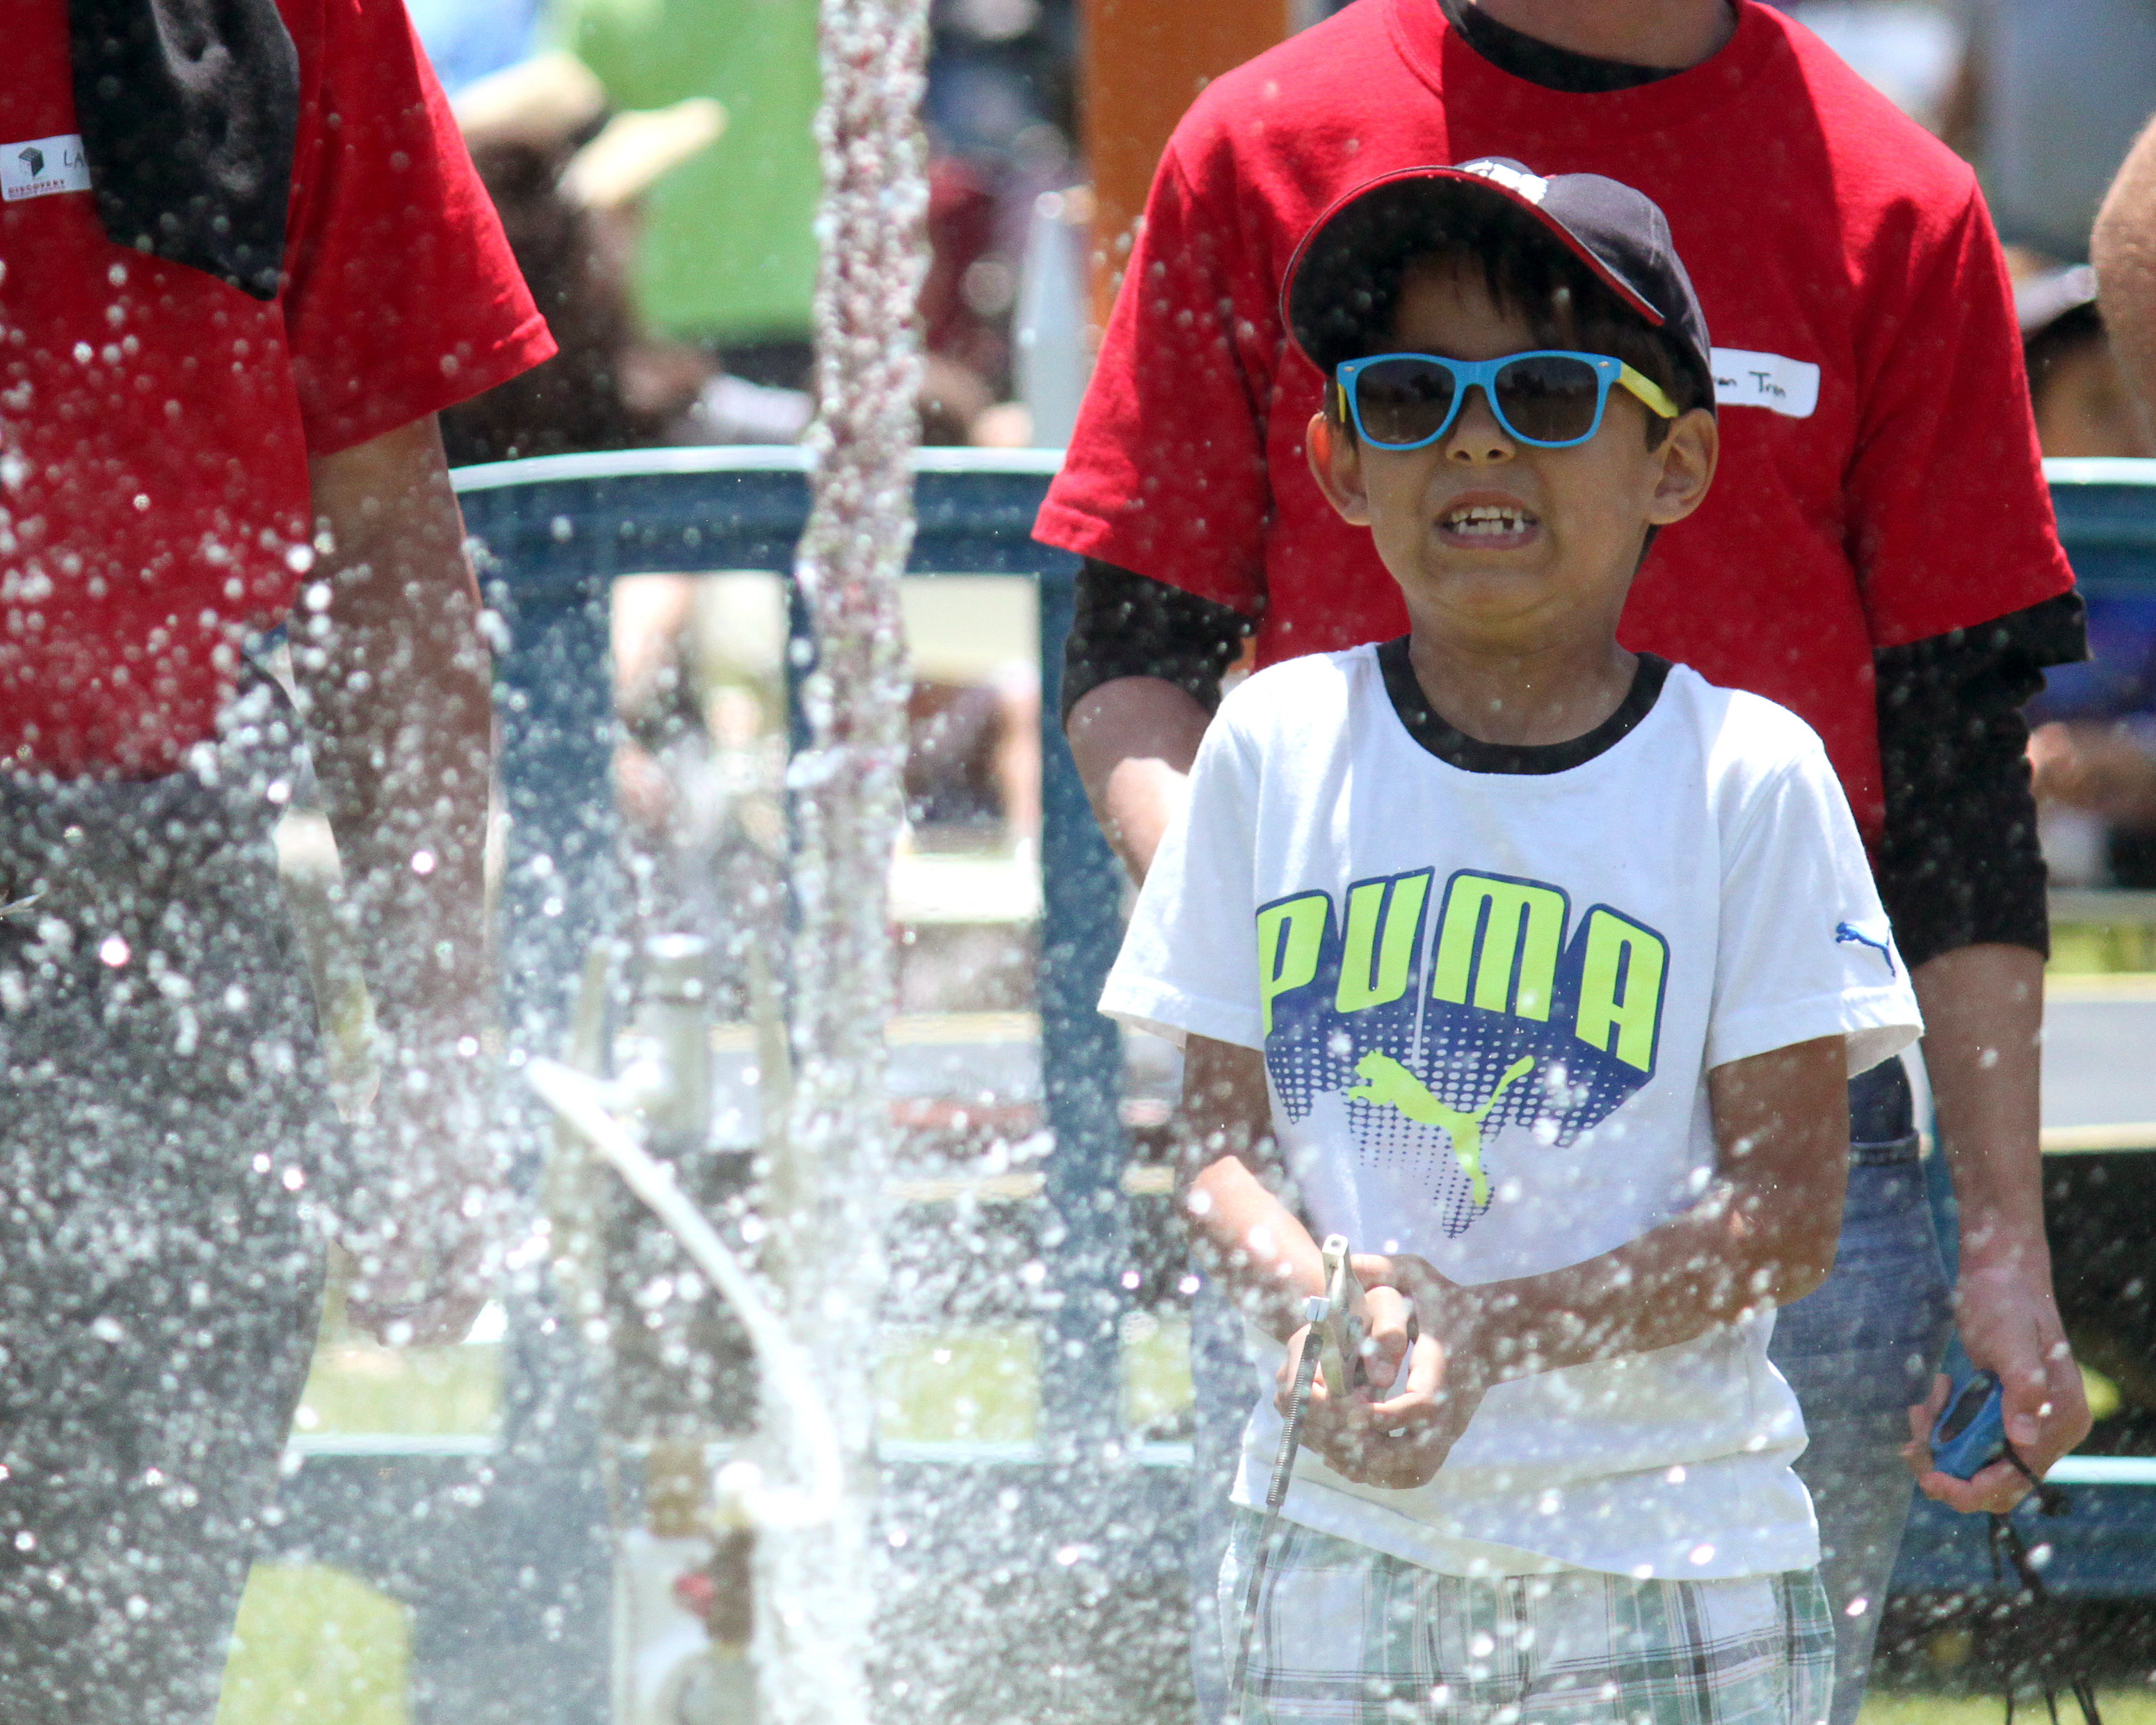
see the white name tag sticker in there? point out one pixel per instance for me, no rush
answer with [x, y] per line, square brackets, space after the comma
[37, 168]
[1743, 379]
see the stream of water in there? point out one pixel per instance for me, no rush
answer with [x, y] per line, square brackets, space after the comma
[828, 1180]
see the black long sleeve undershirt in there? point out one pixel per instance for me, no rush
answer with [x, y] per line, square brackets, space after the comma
[1958, 861]
[1127, 626]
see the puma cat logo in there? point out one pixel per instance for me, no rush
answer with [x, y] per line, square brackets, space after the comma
[1846, 933]
[1386, 1083]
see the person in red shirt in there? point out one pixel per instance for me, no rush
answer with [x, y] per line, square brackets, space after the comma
[1878, 555]
[244, 262]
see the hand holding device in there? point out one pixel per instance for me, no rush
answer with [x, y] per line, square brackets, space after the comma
[1970, 1434]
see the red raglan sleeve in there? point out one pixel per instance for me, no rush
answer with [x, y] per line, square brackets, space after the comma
[401, 297]
[1166, 470]
[1949, 519]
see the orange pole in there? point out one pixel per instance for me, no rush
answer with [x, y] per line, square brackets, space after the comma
[1141, 64]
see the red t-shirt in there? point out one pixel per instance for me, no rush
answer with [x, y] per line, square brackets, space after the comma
[156, 424]
[1879, 480]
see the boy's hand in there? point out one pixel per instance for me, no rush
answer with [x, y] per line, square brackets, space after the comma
[1437, 1302]
[1388, 1327]
[1402, 1439]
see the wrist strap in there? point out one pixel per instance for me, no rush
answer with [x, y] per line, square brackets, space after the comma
[2051, 1500]
[2007, 1543]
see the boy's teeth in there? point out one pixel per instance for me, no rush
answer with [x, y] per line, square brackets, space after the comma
[1487, 518]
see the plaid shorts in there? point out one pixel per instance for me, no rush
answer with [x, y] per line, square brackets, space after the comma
[1351, 1636]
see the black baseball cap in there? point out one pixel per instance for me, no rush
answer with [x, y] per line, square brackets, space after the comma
[1343, 276]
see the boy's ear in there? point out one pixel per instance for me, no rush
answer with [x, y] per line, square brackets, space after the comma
[1335, 463]
[1687, 457]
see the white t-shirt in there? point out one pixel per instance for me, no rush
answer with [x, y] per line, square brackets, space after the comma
[1488, 1002]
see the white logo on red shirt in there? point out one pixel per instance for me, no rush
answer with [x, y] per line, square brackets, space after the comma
[1745, 379]
[37, 168]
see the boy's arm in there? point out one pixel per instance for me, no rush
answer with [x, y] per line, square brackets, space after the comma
[1242, 1234]
[1762, 1234]
[1228, 1181]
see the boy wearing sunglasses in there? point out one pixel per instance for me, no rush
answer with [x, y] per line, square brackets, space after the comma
[1537, 968]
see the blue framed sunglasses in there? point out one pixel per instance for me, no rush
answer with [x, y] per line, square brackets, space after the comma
[1551, 398]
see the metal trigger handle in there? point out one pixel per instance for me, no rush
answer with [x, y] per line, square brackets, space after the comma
[1345, 1324]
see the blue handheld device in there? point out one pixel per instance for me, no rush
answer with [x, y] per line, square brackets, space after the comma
[1971, 1432]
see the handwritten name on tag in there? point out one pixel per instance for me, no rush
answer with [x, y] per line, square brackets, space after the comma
[1744, 379]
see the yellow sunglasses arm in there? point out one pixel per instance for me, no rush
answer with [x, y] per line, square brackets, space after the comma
[1647, 390]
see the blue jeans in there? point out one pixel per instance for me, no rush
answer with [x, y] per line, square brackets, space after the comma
[1857, 1351]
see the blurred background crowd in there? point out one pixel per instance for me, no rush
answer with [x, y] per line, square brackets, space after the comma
[653, 161]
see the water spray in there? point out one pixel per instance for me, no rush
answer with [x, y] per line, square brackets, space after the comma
[582, 1101]
[1334, 1340]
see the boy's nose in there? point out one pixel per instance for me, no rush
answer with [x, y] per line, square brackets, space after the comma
[1475, 436]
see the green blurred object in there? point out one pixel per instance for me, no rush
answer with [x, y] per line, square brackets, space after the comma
[1910, 1706]
[2101, 948]
[1156, 1368]
[981, 1383]
[2103, 1397]
[315, 1643]
[355, 1386]
[728, 253]
[970, 1384]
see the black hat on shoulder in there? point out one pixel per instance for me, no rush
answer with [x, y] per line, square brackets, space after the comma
[1343, 276]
